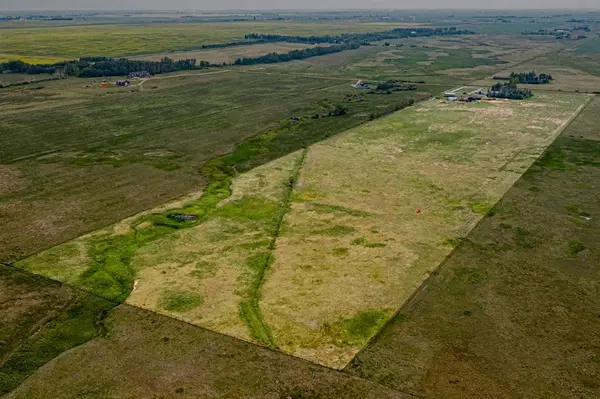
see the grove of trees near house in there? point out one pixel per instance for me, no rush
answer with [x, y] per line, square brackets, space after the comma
[509, 90]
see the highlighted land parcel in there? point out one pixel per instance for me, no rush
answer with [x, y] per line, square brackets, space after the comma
[312, 253]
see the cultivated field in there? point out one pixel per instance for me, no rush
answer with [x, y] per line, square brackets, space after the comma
[228, 54]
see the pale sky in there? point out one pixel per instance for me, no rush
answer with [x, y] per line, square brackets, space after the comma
[288, 4]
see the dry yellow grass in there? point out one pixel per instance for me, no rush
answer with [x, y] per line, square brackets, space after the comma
[379, 207]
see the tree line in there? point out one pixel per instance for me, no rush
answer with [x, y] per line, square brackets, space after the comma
[88, 67]
[295, 54]
[362, 38]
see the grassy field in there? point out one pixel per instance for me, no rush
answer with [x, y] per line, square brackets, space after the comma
[228, 54]
[207, 274]
[120, 40]
[513, 311]
[7, 79]
[76, 159]
[379, 207]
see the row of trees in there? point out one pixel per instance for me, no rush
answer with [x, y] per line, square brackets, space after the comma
[295, 54]
[102, 66]
[531, 78]
[362, 38]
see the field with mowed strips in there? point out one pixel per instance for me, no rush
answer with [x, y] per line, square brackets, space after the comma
[313, 252]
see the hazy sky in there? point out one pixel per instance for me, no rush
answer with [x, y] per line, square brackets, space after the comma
[286, 4]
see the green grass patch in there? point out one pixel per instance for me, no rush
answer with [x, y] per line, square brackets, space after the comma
[524, 238]
[203, 269]
[480, 207]
[337, 209]
[575, 247]
[453, 242]
[355, 331]
[252, 208]
[335, 231]
[363, 241]
[180, 301]
[554, 159]
[340, 251]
